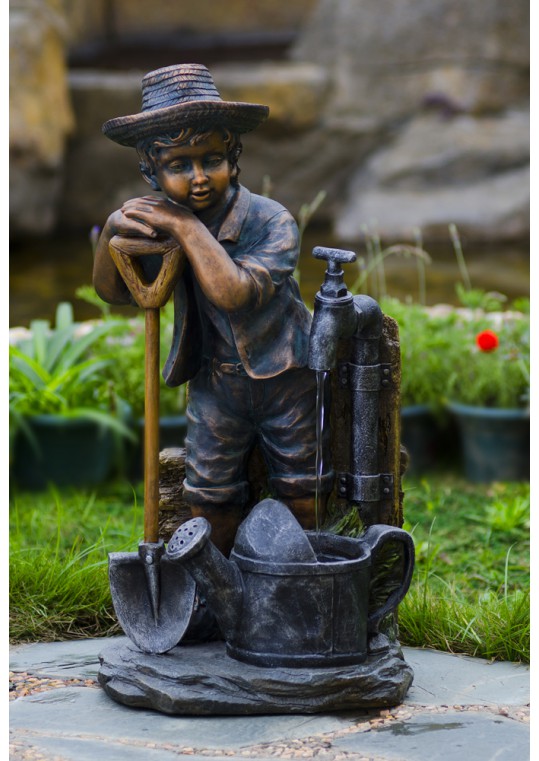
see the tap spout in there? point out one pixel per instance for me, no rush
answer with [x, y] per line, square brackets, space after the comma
[334, 319]
[335, 316]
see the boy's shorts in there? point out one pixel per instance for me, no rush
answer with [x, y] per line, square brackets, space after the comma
[228, 413]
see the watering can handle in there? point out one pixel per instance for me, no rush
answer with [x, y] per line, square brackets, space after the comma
[375, 537]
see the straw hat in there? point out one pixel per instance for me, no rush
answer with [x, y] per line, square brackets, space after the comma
[182, 96]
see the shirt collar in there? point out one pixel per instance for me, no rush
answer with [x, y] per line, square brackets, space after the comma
[233, 222]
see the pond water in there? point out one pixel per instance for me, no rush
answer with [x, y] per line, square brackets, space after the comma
[44, 272]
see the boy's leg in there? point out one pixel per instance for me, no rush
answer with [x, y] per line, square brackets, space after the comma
[289, 444]
[219, 439]
[309, 511]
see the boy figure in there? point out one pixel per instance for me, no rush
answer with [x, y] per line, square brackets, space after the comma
[241, 329]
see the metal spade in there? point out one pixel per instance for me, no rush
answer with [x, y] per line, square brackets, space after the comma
[152, 597]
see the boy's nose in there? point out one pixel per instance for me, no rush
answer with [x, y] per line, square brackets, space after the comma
[199, 173]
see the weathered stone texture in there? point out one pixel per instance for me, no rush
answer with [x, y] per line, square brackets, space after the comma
[387, 56]
[412, 113]
[93, 18]
[40, 112]
[202, 681]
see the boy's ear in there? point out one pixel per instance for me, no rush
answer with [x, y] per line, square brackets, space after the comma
[150, 178]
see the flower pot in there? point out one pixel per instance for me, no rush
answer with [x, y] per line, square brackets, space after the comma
[419, 436]
[429, 441]
[66, 452]
[495, 442]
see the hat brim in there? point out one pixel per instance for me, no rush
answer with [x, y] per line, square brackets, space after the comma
[237, 117]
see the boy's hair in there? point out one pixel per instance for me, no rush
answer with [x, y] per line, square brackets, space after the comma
[148, 150]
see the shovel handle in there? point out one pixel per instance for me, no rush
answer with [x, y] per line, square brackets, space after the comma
[150, 295]
[126, 252]
[151, 427]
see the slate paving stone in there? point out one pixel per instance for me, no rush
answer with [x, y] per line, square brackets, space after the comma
[447, 736]
[446, 679]
[88, 711]
[75, 659]
[79, 723]
[439, 678]
[74, 749]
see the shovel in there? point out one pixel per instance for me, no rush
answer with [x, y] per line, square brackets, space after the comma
[152, 597]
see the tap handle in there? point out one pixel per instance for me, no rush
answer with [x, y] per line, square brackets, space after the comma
[334, 257]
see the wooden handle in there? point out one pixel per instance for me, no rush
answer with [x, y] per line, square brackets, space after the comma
[125, 252]
[151, 427]
[150, 296]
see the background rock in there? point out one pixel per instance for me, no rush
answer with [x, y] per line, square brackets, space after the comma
[472, 172]
[40, 112]
[411, 112]
[387, 57]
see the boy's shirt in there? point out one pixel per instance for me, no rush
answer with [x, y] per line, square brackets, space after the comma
[272, 334]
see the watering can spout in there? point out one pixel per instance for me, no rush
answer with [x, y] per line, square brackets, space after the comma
[218, 578]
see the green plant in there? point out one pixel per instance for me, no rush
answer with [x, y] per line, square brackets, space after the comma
[491, 375]
[427, 349]
[126, 373]
[371, 278]
[57, 371]
[59, 544]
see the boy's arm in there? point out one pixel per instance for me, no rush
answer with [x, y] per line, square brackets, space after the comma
[107, 281]
[226, 285]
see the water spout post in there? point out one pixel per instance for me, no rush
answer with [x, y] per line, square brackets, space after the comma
[338, 316]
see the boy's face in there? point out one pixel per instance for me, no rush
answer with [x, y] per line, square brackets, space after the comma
[196, 176]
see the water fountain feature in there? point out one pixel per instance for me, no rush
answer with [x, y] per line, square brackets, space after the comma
[287, 599]
[295, 609]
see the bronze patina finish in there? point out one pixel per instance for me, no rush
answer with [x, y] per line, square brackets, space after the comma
[241, 329]
[257, 366]
[152, 600]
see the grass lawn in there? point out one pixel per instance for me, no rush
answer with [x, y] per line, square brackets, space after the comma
[470, 591]
[471, 587]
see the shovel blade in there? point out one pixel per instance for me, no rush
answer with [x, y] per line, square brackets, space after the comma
[132, 600]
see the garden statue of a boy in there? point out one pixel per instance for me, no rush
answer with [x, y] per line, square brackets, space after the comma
[241, 329]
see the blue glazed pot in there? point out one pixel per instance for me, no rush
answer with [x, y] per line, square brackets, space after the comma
[495, 442]
[67, 452]
[420, 436]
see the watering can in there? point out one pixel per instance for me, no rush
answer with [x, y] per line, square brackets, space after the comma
[287, 597]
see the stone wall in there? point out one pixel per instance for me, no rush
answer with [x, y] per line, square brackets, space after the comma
[408, 113]
[40, 113]
[442, 87]
[88, 19]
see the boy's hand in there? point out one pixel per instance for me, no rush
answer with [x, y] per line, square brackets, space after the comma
[120, 224]
[156, 214]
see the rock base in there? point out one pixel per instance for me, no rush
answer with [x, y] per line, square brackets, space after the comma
[201, 680]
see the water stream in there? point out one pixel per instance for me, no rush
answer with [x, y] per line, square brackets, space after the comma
[321, 376]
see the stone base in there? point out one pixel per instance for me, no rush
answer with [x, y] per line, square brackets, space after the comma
[201, 680]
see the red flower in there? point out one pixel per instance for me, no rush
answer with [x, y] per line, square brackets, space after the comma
[487, 340]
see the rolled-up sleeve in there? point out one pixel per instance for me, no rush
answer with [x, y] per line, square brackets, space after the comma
[272, 256]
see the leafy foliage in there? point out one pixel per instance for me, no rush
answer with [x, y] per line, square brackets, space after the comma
[441, 360]
[126, 373]
[59, 372]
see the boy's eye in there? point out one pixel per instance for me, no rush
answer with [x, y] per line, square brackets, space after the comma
[212, 161]
[179, 166]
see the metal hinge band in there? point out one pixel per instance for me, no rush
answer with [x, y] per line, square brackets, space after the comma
[365, 377]
[365, 488]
